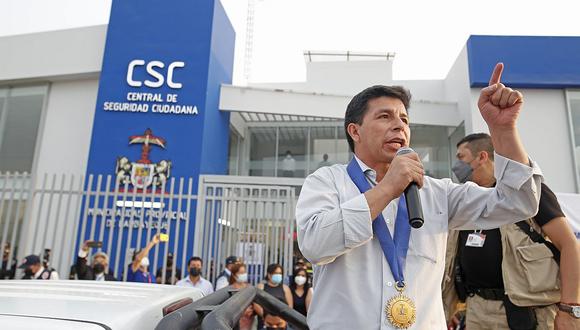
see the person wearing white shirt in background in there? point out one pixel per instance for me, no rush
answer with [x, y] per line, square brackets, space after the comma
[345, 215]
[194, 280]
[288, 165]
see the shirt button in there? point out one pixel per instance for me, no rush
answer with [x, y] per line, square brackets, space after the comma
[389, 283]
[388, 221]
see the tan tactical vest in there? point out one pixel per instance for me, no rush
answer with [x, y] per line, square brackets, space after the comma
[531, 276]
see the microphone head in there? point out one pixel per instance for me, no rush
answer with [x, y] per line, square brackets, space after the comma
[416, 223]
[404, 150]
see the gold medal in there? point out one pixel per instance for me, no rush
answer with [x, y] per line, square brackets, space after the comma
[400, 310]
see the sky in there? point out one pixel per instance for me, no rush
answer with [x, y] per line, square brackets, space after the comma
[426, 36]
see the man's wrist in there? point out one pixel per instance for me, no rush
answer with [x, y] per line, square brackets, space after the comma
[83, 253]
[572, 309]
[386, 191]
[507, 143]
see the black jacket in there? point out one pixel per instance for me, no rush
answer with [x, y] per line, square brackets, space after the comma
[85, 272]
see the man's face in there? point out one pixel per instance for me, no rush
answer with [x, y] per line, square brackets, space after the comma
[195, 264]
[384, 129]
[100, 260]
[34, 268]
[478, 176]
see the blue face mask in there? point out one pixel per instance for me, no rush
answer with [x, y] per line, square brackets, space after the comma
[277, 278]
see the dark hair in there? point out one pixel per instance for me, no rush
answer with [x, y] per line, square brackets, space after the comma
[478, 142]
[195, 259]
[358, 106]
[293, 284]
[234, 270]
[272, 268]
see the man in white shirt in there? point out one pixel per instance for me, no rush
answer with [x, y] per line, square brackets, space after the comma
[358, 282]
[34, 270]
[288, 165]
[194, 280]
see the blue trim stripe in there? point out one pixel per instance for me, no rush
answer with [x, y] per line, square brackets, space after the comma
[530, 62]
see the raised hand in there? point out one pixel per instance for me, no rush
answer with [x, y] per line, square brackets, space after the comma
[499, 105]
[85, 246]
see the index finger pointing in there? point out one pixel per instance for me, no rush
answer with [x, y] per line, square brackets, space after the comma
[496, 75]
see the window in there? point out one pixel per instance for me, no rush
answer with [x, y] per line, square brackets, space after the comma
[234, 153]
[292, 142]
[263, 151]
[574, 108]
[432, 145]
[20, 111]
[328, 146]
[290, 151]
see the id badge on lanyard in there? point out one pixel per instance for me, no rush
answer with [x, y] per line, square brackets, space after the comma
[475, 239]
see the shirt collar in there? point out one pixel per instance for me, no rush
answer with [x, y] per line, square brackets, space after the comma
[372, 174]
[198, 281]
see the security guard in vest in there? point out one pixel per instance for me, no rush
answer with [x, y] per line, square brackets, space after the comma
[224, 277]
[520, 276]
[34, 270]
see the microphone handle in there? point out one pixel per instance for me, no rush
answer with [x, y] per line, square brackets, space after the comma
[414, 208]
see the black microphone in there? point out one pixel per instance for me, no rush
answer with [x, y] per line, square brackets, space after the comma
[414, 208]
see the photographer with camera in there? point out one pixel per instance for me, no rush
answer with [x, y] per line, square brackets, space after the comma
[99, 269]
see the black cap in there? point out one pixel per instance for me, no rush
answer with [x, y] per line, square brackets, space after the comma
[29, 261]
[231, 260]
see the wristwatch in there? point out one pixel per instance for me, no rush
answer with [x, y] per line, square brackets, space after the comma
[573, 310]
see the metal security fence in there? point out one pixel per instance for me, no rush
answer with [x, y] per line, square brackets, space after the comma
[252, 221]
[53, 215]
[14, 188]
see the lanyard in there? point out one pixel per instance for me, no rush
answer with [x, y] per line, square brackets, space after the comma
[394, 248]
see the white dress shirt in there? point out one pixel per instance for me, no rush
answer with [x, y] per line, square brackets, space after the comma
[352, 279]
[202, 284]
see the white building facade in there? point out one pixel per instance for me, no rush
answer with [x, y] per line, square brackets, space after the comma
[49, 84]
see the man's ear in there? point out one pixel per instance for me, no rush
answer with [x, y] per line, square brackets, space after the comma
[353, 131]
[483, 156]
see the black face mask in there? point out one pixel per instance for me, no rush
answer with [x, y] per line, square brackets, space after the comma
[98, 268]
[194, 272]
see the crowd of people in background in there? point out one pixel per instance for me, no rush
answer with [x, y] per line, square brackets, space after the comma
[294, 290]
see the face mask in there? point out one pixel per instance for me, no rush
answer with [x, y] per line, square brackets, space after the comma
[98, 268]
[277, 278]
[462, 171]
[145, 262]
[300, 280]
[194, 271]
[242, 278]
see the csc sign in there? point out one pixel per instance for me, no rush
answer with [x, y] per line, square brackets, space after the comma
[152, 69]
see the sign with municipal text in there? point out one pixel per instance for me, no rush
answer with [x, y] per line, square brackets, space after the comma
[157, 121]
